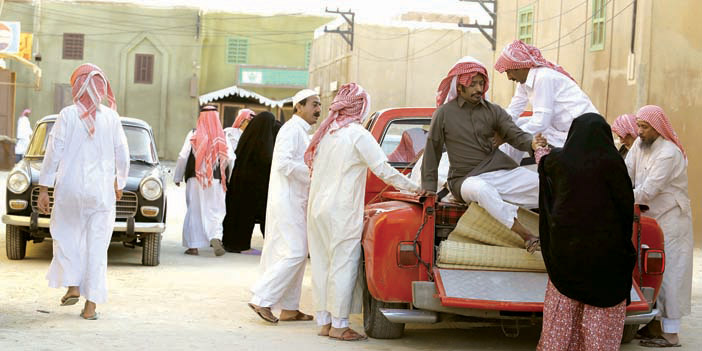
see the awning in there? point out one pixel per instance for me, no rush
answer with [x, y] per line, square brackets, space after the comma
[35, 69]
[234, 90]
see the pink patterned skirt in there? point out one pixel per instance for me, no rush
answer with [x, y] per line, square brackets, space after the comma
[574, 326]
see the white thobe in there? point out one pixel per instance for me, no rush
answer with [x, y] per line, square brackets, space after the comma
[285, 247]
[24, 133]
[233, 135]
[659, 175]
[206, 206]
[82, 169]
[335, 217]
[556, 101]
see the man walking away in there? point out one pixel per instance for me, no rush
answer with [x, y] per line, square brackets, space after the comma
[202, 163]
[87, 163]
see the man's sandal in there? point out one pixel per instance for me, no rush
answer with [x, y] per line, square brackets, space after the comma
[264, 313]
[69, 300]
[299, 317]
[658, 342]
[349, 335]
[94, 317]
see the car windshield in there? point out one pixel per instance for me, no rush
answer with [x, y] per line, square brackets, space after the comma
[138, 140]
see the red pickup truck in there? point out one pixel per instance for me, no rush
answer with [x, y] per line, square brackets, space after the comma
[401, 237]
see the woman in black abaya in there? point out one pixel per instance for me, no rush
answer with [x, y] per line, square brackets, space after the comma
[586, 208]
[247, 189]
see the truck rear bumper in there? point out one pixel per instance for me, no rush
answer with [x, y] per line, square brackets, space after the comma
[642, 318]
[43, 222]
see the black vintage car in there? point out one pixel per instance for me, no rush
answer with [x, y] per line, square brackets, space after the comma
[140, 214]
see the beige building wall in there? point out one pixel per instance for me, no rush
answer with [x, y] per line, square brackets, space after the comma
[398, 66]
[663, 70]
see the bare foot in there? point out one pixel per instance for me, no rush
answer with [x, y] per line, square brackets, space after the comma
[325, 330]
[71, 297]
[89, 310]
[193, 252]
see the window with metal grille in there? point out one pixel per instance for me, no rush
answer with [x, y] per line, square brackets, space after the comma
[143, 69]
[599, 24]
[237, 50]
[308, 53]
[73, 46]
[526, 24]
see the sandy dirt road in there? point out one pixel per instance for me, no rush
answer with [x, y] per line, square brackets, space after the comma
[199, 303]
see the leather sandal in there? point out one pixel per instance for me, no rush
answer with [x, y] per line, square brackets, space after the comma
[349, 335]
[264, 312]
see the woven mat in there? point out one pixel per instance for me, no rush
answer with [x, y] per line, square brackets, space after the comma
[481, 268]
[484, 256]
[477, 224]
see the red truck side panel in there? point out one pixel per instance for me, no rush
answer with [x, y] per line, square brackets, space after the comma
[387, 224]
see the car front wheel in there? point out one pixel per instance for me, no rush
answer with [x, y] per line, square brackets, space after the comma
[151, 251]
[15, 242]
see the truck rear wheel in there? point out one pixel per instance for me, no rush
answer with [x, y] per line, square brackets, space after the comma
[15, 242]
[629, 333]
[151, 252]
[374, 322]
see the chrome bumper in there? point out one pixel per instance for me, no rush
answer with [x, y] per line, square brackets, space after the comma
[139, 227]
[642, 318]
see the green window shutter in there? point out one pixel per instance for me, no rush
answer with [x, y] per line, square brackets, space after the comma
[526, 24]
[599, 25]
[237, 50]
[308, 53]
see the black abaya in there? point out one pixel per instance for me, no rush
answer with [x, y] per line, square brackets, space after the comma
[247, 189]
[586, 207]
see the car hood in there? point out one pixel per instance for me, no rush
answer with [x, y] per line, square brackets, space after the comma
[137, 172]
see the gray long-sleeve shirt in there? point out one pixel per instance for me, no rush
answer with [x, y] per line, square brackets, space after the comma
[467, 130]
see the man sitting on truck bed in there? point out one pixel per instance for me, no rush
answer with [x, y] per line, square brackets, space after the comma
[466, 123]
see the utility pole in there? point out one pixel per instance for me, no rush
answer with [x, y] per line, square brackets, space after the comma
[492, 36]
[348, 33]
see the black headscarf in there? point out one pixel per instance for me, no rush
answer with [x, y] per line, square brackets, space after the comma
[586, 205]
[247, 190]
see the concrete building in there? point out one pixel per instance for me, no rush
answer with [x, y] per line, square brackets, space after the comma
[399, 64]
[622, 62]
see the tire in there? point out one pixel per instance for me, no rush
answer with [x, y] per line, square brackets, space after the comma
[629, 332]
[374, 322]
[15, 242]
[151, 250]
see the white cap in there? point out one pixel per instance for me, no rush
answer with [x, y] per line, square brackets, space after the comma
[303, 94]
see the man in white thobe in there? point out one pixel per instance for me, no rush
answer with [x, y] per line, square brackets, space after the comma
[202, 163]
[339, 155]
[285, 247]
[555, 97]
[657, 166]
[24, 133]
[234, 133]
[87, 163]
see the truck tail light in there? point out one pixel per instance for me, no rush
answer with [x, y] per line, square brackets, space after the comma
[407, 253]
[654, 262]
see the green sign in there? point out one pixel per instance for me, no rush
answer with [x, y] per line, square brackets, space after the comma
[273, 76]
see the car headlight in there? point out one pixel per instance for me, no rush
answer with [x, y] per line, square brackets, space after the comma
[18, 182]
[151, 188]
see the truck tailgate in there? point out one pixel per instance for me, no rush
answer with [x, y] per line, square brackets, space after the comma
[503, 291]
